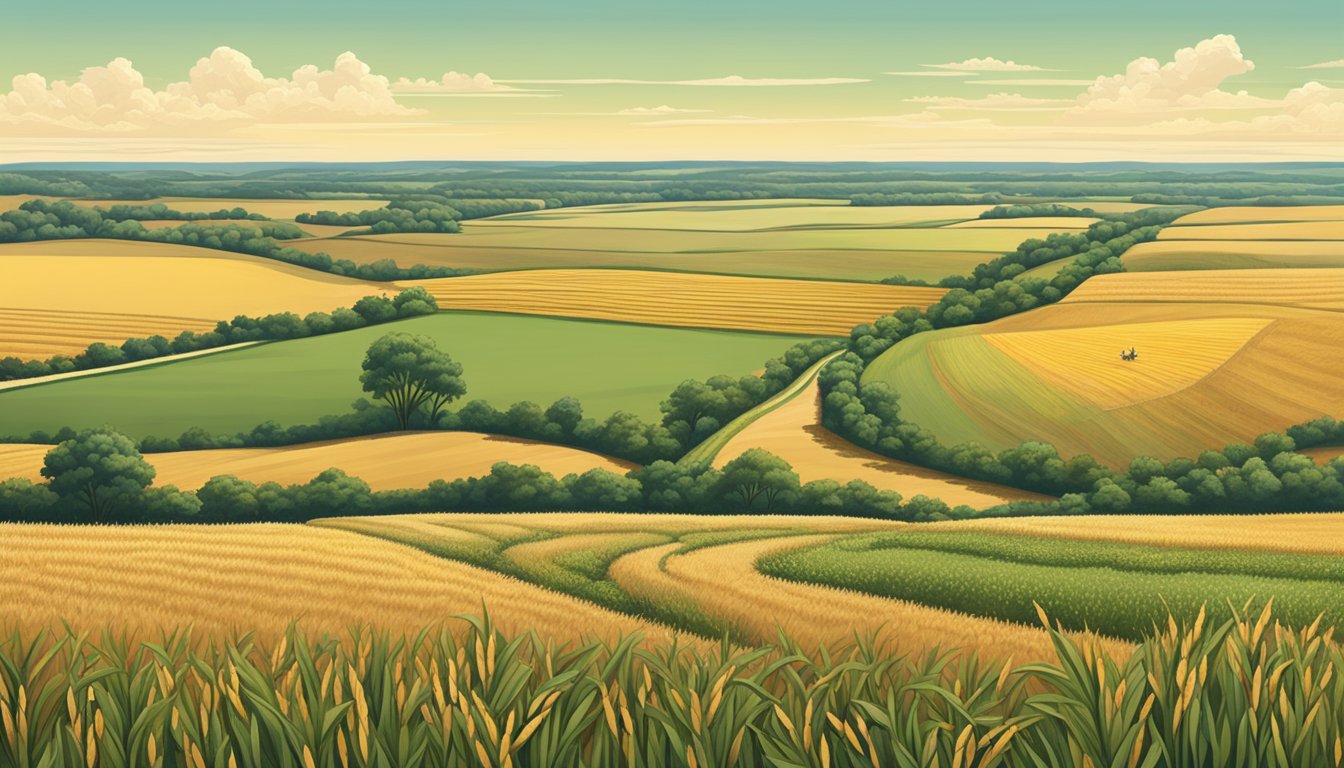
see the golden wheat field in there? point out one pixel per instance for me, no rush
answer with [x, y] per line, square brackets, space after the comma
[1317, 288]
[224, 580]
[1166, 255]
[385, 462]
[1320, 533]
[278, 208]
[1324, 453]
[757, 216]
[690, 300]
[1246, 214]
[61, 295]
[1223, 357]
[1033, 222]
[793, 432]
[1086, 362]
[1274, 230]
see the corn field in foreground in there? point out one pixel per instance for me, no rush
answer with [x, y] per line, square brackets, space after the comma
[1248, 692]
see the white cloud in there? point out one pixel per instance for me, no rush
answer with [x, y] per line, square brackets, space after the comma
[458, 84]
[987, 64]
[1191, 80]
[223, 87]
[930, 73]
[662, 109]
[1336, 64]
[729, 81]
[1031, 81]
[1006, 102]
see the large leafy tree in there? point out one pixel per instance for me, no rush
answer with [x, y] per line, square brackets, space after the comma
[99, 469]
[409, 372]
[758, 475]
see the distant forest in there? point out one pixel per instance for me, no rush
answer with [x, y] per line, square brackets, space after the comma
[558, 185]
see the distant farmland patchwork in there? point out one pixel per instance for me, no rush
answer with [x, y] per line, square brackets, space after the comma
[1246, 238]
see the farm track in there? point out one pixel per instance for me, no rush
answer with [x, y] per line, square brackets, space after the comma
[36, 380]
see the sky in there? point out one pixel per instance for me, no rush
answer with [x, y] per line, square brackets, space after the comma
[694, 80]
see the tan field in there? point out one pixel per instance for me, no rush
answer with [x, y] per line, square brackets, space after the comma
[1317, 288]
[794, 433]
[12, 202]
[1223, 357]
[1324, 453]
[757, 216]
[1320, 533]
[723, 582]
[1166, 255]
[1034, 222]
[690, 300]
[111, 290]
[229, 579]
[1245, 214]
[385, 462]
[1086, 362]
[1275, 230]
[271, 209]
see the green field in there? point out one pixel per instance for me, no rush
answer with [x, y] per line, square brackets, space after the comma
[825, 239]
[607, 366]
[1119, 589]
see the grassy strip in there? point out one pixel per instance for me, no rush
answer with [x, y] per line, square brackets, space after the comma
[705, 452]
[1126, 604]
[1120, 556]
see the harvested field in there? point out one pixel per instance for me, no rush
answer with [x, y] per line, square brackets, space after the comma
[1029, 222]
[1317, 288]
[385, 462]
[1276, 230]
[1324, 453]
[1171, 255]
[263, 578]
[724, 583]
[1250, 214]
[1229, 355]
[666, 298]
[112, 290]
[794, 433]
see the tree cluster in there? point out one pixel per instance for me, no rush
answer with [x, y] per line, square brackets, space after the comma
[161, 212]
[1033, 210]
[369, 310]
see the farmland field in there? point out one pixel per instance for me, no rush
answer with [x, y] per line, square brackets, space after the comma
[1216, 352]
[112, 290]
[385, 462]
[663, 298]
[1275, 230]
[1258, 214]
[793, 432]
[766, 238]
[1168, 255]
[297, 382]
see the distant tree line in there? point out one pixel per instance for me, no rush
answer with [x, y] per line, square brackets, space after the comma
[1033, 210]
[421, 214]
[161, 212]
[100, 476]
[369, 310]
[41, 220]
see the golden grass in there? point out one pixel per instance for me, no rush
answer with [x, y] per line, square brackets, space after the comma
[271, 209]
[1324, 453]
[539, 558]
[1086, 362]
[1233, 254]
[1319, 533]
[385, 462]
[738, 218]
[1242, 214]
[690, 300]
[1031, 222]
[722, 581]
[12, 202]
[1316, 288]
[62, 295]
[794, 433]
[228, 579]
[1278, 230]
[41, 333]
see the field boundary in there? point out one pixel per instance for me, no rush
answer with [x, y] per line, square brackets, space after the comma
[705, 452]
